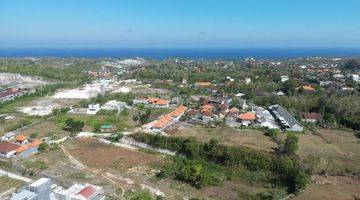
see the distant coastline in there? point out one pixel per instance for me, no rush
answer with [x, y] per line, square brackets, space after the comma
[188, 53]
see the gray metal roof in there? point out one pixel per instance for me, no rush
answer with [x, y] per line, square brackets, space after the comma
[25, 194]
[281, 112]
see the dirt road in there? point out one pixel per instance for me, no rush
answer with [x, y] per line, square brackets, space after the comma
[94, 171]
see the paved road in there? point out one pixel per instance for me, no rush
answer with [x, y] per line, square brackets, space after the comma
[15, 176]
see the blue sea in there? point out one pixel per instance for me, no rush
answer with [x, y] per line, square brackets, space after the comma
[188, 53]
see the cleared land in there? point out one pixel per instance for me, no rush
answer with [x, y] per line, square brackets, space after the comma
[228, 136]
[102, 156]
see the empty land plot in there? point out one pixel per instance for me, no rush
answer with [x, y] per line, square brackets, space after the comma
[333, 187]
[102, 156]
[63, 172]
[46, 129]
[229, 136]
[8, 183]
[338, 150]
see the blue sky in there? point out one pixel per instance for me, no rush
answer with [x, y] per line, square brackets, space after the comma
[179, 23]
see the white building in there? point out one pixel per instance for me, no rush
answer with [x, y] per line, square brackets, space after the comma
[265, 119]
[8, 136]
[355, 77]
[284, 78]
[93, 109]
[43, 189]
[39, 190]
[79, 192]
[114, 105]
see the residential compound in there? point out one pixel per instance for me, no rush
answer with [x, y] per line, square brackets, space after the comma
[11, 93]
[166, 121]
[285, 119]
[43, 189]
[18, 146]
[153, 102]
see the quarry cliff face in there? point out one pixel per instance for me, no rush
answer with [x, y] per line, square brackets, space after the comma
[10, 78]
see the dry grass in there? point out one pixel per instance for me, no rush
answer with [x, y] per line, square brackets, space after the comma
[229, 136]
[335, 188]
[337, 149]
[102, 156]
[46, 129]
[8, 183]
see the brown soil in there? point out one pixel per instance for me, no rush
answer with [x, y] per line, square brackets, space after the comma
[100, 156]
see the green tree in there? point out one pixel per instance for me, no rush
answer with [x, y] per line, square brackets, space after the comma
[190, 148]
[291, 144]
[352, 64]
[143, 195]
[74, 125]
[290, 86]
[43, 147]
[192, 173]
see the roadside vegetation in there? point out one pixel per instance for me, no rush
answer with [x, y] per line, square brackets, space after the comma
[204, 164]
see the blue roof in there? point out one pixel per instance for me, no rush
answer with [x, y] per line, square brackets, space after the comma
[106, 126]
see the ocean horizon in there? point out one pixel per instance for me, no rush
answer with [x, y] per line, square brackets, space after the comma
[186, 53]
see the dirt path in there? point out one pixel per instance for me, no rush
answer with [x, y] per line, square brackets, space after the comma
[94, 171]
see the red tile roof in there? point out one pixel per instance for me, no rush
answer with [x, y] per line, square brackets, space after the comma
[203, 84]
[207, 113]
[158, 101]
[192, 112]
[247, 116]
[35, 143]
[207, 107]
[316, 116]
[22, 149]
[179, 111]
[6, 147]
[87, 192]
[168, 118]
[20, 138]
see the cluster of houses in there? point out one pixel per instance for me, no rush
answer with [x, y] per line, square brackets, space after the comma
[274, 117]
[11, 93]
[210, 110]
[43, 189]
[257, 116]
[168, 120]
[333, 79]
[18, 146]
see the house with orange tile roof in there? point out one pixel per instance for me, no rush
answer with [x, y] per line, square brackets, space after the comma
[158, 103]
[21, 149]
[21, 139]
[8, 149]
[231, 117]
[202, 84]
[168, 119]
[28, 149]
[306, 89]
[247, 118]
[207, 107]
[35, 143]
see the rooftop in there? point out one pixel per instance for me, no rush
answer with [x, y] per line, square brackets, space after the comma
[20, 137]
[8, 147]
[40, 182]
